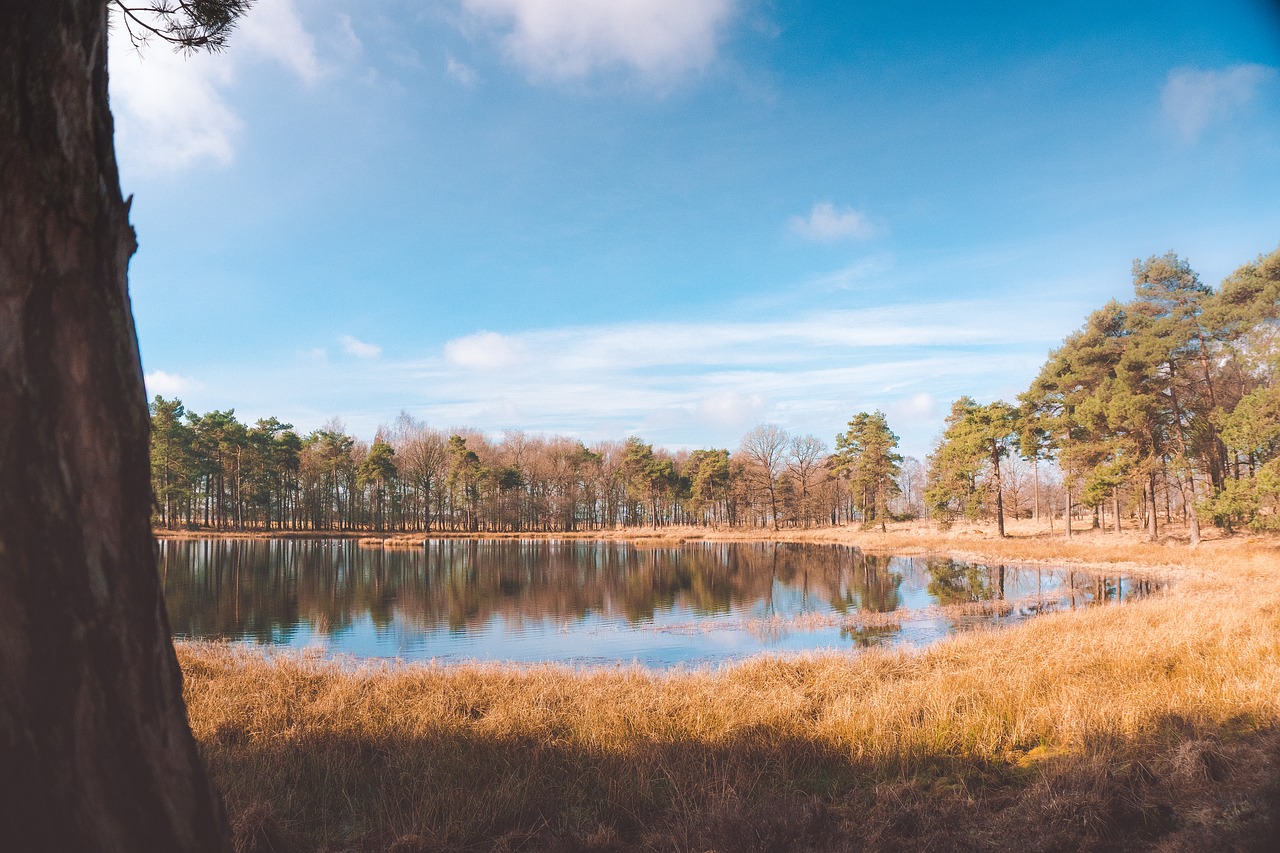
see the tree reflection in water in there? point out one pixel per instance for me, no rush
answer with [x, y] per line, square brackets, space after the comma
[269, 591]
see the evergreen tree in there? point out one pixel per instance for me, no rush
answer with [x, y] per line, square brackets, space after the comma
[172, 460]
[865, 456]
[378, 469]
[977, 438]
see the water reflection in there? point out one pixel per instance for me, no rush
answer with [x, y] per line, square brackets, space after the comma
[594, 602]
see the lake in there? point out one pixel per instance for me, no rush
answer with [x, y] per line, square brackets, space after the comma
[596, 603]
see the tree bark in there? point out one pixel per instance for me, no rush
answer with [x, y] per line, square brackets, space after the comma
[1035, 477]
[995, 472]
[1066, 515]
[1153, 531]
[1187, 485]
[1186, 481]
[94, 742]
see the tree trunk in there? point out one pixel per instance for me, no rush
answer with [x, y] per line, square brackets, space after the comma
[995, 471]
[1153, 531]
[1186, 482]
[1035, 477]
[94, 743]
[1189, 506]
[1066, 515]
[1217, 456]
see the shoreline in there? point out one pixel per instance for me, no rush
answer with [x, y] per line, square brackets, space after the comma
[1028, 543]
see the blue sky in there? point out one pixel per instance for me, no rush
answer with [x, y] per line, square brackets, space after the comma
[674, 218]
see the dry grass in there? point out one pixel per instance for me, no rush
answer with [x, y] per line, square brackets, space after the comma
[400, 541]
[1150, 725]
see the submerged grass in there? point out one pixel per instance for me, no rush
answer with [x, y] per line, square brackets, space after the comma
[1149, 725]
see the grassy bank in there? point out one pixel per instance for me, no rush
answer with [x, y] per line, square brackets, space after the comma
[1147, 725]
[1024, 536]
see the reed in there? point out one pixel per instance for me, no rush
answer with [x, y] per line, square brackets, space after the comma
[1148, 724]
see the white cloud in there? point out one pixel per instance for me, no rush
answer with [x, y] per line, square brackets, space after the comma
[825, 224]
[857, 273]
[347, 33]
[1193, 100]
[484, 351]
[169, 384]
[836, 334]
[681, 384]
[272, 29]
[358, 348]
[731, 408]
[464, 74]
[708, 382]
[564, 39]
[922, 406]
[171, 110]
[168, 109]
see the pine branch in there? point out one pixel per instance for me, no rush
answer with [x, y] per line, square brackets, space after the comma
[188, 25]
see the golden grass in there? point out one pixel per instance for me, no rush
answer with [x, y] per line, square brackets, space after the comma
[401, 541]
[1149, 725]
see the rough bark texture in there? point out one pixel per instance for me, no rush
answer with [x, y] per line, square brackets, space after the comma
[995, 472]
[95, 750]
[1153, 529]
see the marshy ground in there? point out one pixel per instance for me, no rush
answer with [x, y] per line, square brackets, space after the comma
[1152, 725]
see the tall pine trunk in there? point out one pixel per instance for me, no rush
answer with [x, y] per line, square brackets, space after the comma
[1153, 531]
[1035, 478]
[95, 750]
[1066, 515]
[999, 487]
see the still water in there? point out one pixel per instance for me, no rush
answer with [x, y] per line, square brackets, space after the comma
[592, 603]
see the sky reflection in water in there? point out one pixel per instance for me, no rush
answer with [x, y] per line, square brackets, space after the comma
[584, 602]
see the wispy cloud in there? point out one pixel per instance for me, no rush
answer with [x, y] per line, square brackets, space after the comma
[716, 379]
[351, 43]
[273, 30]
[730, 408]
[565, 39]
[461, 72]
[679, 383]
[919, 406]
[169, 384]
[640, 346]
[358, 348]
[171, 110]
[1193, 100]
[826, 223]
[851, 275]
[484, 351]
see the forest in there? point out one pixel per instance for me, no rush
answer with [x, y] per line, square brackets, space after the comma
[1157, 410]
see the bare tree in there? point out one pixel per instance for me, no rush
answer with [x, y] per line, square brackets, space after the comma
[911, 485]
[765, 448]
[423, 455]
[1018, 484]
[804, 460]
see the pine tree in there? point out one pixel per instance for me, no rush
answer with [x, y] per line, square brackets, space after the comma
[865, 456]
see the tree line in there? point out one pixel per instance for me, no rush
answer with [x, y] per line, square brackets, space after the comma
[212, 471]
[1165, 406]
